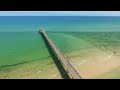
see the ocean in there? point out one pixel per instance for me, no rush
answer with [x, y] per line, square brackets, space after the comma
[23, 53]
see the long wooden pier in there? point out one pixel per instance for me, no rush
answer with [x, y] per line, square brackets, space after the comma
[67, 66]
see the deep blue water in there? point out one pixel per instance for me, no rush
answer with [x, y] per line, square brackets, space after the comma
[59, 23]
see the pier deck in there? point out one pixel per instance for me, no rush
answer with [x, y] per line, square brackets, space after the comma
[67, 66]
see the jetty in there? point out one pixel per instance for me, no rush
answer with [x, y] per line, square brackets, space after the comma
[63, 59]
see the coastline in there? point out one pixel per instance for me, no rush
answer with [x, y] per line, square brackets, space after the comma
[89, 63]
[94, 62]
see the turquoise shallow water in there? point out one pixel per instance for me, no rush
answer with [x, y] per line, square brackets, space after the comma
[17, 47]
[20, 41]
[19, 38]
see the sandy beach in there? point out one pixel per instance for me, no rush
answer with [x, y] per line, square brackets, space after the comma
[94, 63]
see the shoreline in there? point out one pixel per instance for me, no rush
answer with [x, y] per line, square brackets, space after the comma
[88, 63]
[94, 62]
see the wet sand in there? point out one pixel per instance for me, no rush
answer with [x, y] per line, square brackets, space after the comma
[94, 62]
[45, 69]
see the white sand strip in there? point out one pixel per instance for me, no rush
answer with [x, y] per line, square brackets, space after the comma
[108, 57]
[39, 71]
[82, 62]
[53, 76]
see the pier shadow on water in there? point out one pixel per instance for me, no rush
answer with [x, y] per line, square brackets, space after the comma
[60, 67]
[9, 65]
